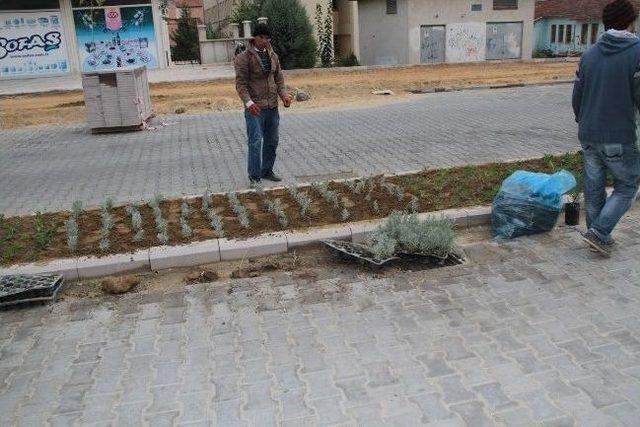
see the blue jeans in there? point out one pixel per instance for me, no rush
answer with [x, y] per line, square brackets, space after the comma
[622, 161]
[262, 132]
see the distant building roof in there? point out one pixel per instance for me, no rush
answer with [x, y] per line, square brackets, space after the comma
[579, 10]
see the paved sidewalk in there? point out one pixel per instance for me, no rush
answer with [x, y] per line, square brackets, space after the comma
[47, 168]
[179, 73]
[538, 331]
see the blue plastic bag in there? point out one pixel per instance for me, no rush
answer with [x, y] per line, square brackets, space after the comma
[529, 203]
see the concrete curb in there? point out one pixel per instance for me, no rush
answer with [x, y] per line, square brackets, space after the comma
[215, 250]
[490, 86]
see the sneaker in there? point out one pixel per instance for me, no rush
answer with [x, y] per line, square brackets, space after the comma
[597, 245]
[611, 244]
[253, 183]
[271, 177]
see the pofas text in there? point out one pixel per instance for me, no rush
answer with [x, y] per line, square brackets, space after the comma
[49, 41]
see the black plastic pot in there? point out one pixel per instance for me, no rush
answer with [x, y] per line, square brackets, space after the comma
[572, 213]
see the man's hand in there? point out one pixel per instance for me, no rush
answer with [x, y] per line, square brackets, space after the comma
[254, 109]
[286, 100]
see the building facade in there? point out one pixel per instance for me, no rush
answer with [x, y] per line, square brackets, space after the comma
[345, 19]
[41, 38]
[568, 27]
[428, 31]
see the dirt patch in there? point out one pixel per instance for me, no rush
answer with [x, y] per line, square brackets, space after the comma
[326, 90]
[43, 237]
[201, 276]
[119, 285]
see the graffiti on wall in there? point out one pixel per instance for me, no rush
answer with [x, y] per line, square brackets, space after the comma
[432, 43]
[466, 42]
[504, 40]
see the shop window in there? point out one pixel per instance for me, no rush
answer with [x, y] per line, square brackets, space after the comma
[584, 34]
[554, 28]
[29, 5]
[568, 40]
[560, 33]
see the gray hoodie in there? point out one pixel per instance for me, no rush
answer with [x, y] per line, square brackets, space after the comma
[606, 93]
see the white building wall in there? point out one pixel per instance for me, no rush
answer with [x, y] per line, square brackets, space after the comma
[383, 38]
[398, 36]
[443, 12]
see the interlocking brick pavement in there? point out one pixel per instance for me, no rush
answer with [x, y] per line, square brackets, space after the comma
[535, 331]
[47, 168]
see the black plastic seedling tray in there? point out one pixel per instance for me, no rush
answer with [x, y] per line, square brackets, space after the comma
[24, 288]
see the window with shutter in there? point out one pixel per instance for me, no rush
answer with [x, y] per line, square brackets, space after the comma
[505, 4]
[584, 34]
[594, 33]
[392, 7]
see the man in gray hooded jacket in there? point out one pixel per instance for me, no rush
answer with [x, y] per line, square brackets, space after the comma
[605, 102]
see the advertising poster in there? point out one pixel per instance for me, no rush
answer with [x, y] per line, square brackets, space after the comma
[32, 44]
[115, 37]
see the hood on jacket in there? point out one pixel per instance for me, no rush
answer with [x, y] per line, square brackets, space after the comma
[610, 44]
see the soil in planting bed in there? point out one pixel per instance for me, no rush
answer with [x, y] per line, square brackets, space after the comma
[20, 240]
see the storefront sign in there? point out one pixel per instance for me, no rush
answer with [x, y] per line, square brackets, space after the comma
[32, 43]
[115, 37]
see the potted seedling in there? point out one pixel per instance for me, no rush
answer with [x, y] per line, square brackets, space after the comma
[572, 208]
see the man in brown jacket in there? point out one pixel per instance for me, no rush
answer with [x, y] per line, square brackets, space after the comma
[259, 83]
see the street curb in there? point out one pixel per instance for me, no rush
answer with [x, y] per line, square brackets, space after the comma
[215, 250]
[432, 90]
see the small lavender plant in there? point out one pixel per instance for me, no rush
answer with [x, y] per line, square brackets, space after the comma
[214, 219]
[185, 229]
[107, 225]
[344, 214]
[432, 237]
[206, 201]
[71, 224]
[274, 207]
[323, 189]
[302, 199]
[161, 223]
[393, 190]
[76, 209]
[72, 233]
[136, 223]
[239, 209]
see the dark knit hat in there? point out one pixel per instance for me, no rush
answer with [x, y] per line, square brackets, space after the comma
[618, 15]
[261, 30]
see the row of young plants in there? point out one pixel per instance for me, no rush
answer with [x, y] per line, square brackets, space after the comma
[303, 203]
[113, 229]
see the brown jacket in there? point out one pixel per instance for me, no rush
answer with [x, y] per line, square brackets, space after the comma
[251, 82]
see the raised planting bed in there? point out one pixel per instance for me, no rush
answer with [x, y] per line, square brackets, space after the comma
[110, 229]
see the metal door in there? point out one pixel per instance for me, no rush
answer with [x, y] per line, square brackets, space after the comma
[504, 40]
[432, 43]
